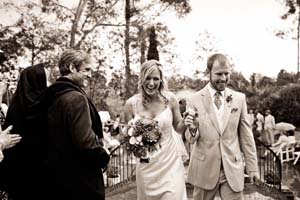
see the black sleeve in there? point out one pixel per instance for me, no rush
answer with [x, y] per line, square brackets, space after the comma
[90, 149]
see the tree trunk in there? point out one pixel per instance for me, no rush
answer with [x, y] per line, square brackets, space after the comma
[126, 46]
[74, 28]
[142, 39]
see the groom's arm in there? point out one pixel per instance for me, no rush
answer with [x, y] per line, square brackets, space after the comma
[246, 140]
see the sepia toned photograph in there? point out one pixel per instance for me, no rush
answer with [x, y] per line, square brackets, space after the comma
[150, 99]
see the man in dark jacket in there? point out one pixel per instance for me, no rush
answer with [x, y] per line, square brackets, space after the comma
[75, 153]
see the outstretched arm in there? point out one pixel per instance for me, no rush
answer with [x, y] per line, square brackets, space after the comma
[178, 123]
[8, 140]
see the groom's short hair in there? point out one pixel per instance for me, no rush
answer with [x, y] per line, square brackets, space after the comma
[211, 60]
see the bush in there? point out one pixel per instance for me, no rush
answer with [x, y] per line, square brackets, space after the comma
[286, 106]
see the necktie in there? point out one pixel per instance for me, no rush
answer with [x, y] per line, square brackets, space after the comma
[217, 100]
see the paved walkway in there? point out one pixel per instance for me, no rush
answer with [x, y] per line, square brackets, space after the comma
[129, 193]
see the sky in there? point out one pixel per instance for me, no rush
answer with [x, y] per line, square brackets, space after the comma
[244, 29]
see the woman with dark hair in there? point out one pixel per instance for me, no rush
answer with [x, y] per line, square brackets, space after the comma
[23, 162]
[162, 177]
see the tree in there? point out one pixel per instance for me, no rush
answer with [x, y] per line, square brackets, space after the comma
[238, 81]
[140, 16]
[46, 28]
[284, 78]
[266, 82]
[292, 12]
[205, 44]
[285, 106]
[152, 50]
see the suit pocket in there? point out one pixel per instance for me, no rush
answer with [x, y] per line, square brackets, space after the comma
[199, 156]
[238, 157]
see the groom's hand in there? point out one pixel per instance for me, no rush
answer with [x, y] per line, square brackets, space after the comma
[254, 177]
[191, 121]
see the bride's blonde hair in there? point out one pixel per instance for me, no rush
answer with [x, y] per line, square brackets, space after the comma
[146, 69]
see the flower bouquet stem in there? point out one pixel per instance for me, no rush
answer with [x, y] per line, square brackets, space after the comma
[145, 159]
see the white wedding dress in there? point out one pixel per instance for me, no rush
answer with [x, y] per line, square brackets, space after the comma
[163, 177]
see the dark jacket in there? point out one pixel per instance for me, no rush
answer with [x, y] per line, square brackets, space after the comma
[75, 155]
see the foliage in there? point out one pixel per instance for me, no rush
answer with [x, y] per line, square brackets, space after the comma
[286, 105]
[292, 13]
[205, 44]
[113, 171]
[97, 90]
[266, 82]
[116, 92]
[176, 83]
[284, 78]
[292, 7]
[238, 81]
[182, 7]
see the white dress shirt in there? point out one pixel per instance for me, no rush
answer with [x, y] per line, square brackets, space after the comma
[219, 112]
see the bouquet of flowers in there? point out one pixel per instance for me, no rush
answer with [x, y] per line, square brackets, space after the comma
[142, 137]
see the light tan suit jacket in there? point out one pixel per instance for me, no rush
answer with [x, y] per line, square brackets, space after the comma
[214, 144]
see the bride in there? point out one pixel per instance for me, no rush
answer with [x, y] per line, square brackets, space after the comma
[162, 178]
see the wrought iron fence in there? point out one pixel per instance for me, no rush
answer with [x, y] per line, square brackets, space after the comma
[122, 167]
[269, 167]
[120, 170]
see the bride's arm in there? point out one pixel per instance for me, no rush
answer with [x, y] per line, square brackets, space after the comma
[178, 123]
[128, 112]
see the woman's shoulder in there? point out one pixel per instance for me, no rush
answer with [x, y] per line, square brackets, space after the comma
[133, 102]
[170, 96]
[134, 99]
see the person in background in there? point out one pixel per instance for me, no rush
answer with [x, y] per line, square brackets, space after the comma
[222, 137]
[7, 141]
[259, 123]
[109, 142]
[251, 117]
[283, 139]
[23, 162]
[75, 154]
[115, 128]
[269, 126]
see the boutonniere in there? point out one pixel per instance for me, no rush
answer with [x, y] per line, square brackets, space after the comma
[229, 99]
[234, 110]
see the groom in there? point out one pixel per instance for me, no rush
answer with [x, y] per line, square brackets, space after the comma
[222, 136]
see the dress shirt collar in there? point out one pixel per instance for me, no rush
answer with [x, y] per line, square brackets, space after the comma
[213, 91]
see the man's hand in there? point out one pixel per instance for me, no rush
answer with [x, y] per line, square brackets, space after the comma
[254, 177]
[8, 140]
[191, 121]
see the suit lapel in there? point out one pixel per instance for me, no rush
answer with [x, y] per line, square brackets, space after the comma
[207, 102]
[227, 111]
